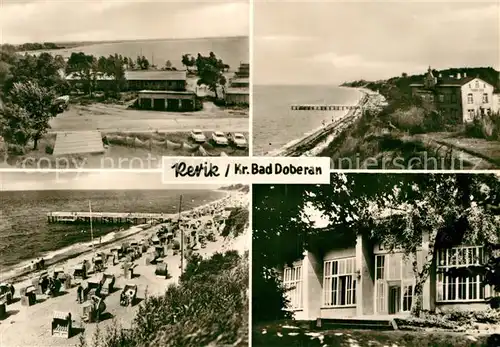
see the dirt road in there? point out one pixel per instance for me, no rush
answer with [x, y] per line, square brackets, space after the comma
[115, 118]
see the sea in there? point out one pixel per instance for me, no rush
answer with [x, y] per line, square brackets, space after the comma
[232, 50]
[25, 233]
[275, 124]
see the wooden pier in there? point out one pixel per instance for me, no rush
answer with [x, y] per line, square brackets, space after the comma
[108, 217]
[323, 107]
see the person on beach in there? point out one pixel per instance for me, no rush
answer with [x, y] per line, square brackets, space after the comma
[324, 124]
[79, 294]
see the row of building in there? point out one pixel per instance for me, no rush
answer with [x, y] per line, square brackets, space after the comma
[167, 90]
[362, 278]
[462, 98]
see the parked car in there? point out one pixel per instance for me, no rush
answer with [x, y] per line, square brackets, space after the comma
[198, 136]
[219, 138]
[238, 140]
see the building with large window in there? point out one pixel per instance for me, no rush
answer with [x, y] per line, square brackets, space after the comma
[365, 279]
[460, 98]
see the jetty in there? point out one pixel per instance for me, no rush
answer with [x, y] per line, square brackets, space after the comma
[312, 139]
[107, 217]
[319, 107]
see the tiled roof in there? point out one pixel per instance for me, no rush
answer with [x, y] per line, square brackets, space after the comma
[450, 81]
[240, 80]
[237, 91]
[155, 75]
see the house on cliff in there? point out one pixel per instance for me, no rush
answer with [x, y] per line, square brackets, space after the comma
[460, 97]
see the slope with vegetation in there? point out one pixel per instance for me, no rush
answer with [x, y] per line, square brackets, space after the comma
[209, 307]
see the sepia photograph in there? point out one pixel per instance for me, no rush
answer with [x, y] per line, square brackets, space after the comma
[114, 84]
[377, 260]
[119, 259]
[380, 84]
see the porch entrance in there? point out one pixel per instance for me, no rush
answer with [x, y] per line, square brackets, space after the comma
[394, 299]
[394, 284]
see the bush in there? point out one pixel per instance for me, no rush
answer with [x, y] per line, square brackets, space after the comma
[451, 320]
[49, 149]
[486, 127]
[236, 222]
[208, 307]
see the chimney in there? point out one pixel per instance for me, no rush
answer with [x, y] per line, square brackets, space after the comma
[458, 76]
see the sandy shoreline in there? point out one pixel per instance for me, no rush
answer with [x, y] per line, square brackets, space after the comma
[314, 132]
[17, 273]
[30, 326]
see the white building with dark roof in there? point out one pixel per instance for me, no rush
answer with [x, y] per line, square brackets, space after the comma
[461, 98]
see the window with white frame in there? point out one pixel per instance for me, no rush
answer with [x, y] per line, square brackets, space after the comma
[292, 281]
[464, 288]
[339, 282]
[470, 98]
[393, 270]
[485, 98]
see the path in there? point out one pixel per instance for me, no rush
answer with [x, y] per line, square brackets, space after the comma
[116, 118]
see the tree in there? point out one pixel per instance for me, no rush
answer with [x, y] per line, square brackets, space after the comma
[37, 102]
[15, 125]
[168, 65]
[188, 61]
[210, 72]
[142, 63]
[113, 66]
[83, 67]
[131, 63]
[445, 210]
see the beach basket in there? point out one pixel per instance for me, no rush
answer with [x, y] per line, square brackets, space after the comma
[128, 295]
[161, 270]
[61, 324]
[3, 311]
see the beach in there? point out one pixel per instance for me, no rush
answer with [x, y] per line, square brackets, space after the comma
[30, 326]
[25, 233]
[312, 142]
[276, 126]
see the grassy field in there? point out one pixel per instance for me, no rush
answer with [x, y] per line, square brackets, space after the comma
[276, 335]
[124, 150]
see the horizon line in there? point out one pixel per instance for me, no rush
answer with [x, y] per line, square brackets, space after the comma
[128, 40]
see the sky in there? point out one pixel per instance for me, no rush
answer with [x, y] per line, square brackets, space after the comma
[106, 20]
[324, 42]
[10, 181]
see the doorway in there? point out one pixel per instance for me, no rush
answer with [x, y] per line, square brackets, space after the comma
[394, 299]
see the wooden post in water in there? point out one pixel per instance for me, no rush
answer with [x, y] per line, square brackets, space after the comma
[182, 234]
